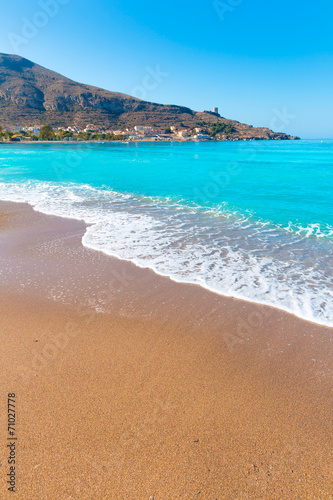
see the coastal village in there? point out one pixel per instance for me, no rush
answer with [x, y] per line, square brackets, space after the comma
[91, 132]
[200, 131]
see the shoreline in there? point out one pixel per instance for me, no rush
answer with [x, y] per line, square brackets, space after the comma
[209, 289]
[189, 283]
[101, 141]
[133, 386]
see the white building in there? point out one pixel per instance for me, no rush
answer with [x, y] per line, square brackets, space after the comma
[143, 129]
[73, 129]
[35, 130]
[184, 133]
[91, 128]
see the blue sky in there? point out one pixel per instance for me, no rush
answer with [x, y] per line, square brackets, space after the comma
[263, 63]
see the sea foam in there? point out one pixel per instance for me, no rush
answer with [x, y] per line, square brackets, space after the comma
[288, 268]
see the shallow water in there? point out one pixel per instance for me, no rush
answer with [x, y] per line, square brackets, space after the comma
[252, 220]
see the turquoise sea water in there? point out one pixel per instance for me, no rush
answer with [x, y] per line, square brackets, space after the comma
[247, 219]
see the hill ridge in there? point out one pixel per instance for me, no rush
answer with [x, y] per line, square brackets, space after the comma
[31, 94]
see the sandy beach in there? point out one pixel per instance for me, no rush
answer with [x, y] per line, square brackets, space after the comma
[130, 386]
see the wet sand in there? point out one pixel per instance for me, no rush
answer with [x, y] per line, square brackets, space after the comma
[131, 386]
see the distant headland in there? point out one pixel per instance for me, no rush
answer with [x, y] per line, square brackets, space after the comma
[39, 104]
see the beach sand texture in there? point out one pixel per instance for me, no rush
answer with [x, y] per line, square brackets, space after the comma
[130, 386]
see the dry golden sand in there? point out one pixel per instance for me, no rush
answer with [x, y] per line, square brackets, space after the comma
[168, 392]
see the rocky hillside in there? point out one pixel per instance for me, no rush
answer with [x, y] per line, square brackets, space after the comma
[33, 95]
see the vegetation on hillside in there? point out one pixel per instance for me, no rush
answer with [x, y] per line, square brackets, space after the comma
[46, 133]
[221, 128]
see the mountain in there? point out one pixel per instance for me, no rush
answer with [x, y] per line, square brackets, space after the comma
[33, 95]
